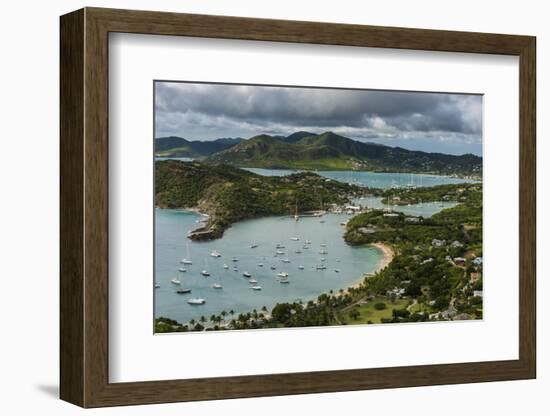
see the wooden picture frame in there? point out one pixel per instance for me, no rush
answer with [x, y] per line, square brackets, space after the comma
[84, 207]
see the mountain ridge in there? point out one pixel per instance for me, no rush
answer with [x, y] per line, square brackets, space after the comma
[330, 151]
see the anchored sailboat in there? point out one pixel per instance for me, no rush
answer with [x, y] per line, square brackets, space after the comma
[186, 260]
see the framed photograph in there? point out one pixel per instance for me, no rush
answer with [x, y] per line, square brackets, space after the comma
[256, 207]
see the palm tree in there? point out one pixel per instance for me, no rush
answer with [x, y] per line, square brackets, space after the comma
[264, 309]
[223, 316]
[231, 312]
[192, 322]
[203, 319]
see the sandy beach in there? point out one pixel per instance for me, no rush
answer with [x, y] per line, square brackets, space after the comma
[388, 255]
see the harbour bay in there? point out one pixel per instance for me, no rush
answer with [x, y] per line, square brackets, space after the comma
[345, 265]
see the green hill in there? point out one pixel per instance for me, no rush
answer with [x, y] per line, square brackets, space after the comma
[330, 151]
[174, 146]
[228, 194]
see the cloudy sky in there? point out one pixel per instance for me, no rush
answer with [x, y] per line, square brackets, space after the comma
[448, 123]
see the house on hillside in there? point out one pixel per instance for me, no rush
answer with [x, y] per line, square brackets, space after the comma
[459, 261]
[438, 243]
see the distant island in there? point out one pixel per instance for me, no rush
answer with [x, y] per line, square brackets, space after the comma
[326, 151]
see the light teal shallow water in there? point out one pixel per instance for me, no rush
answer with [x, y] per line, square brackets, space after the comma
[171, 246]
[372, 179]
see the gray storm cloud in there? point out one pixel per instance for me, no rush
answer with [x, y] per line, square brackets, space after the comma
[209, 111]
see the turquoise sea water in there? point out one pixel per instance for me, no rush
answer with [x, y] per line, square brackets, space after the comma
[372, 179]
[171, 246]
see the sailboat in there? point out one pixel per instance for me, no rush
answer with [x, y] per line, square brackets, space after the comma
[205, 272]
[225, 266]
[246, 274]
[182, 269]
[253, 281]
[186, 259]
[196, 301]
[256, 287]
[157, 285]
[217, 286]
[215, 254]
[282, 274]
[176, 281]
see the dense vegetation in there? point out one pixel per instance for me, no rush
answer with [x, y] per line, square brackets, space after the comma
[174, 146]
[228, 194]
[329, 151]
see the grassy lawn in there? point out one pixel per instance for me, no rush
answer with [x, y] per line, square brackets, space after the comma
[369, 313]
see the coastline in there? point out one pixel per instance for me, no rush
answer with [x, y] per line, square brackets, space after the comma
[388, 253]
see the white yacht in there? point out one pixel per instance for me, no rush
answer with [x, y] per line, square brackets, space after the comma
[182, 269]
[176, 281]
[225, 266]
[246, 274]
[217, 286]
[301, 267]
[279, 252]
[286, 260]
[205, 273]
[196, 301]
[183, 291]
[157, 285]
[256, 287]
[282, 274]
[215, 254]
[307, 242]
[320, 267]
[234, 259]
[260, 265]
[294, 238]
[186, 259]
[253, 281]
